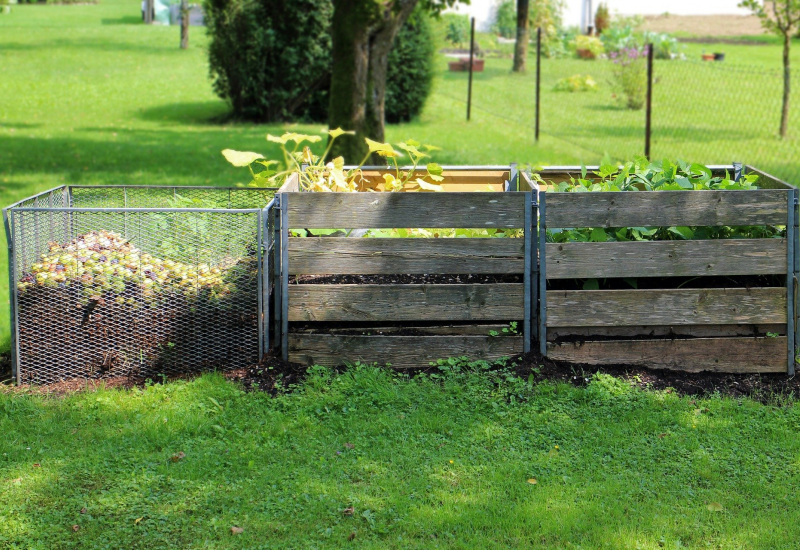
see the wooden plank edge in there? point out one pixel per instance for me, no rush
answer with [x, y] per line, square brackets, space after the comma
[725, 355]
[397, 351]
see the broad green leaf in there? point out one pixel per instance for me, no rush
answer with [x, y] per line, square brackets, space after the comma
[591, 284]
[598, 235]
[275, 139]
[241, 158]
[377, 147]
[682, 231]
[300, 138]
[434, 169]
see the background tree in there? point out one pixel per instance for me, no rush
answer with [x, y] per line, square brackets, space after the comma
[362, 34]
[523, 35]
[782, 18]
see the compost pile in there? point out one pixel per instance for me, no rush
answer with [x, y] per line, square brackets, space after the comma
[99, 306]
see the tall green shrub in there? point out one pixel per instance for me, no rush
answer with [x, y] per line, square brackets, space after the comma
[271, 58]
[410, 73]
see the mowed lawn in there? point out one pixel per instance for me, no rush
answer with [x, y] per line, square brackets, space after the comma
[462, 459]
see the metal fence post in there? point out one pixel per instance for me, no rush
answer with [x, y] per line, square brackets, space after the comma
[790, 294]
[285, 277]
[471, 57]
[795, 245]
[542, 275]
[649, 110]
[538, 78]
[12, 293]
[527, 274]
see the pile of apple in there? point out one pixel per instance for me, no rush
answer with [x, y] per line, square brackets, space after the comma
[103, 262]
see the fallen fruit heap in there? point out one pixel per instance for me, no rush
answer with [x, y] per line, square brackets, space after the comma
[98, 306]
[103, 261]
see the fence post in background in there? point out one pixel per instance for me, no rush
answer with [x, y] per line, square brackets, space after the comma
[471, 56]
[538, 77]
[184, 24]
[649, 107]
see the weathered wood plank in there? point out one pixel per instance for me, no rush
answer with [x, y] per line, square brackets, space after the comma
[667, 208]
[412, 330]
[666, 258]
[291, 185]
[377, 210]
[742, 355]
[480, 302]
[339, 256]
[684, 306]
[766, 181]
[656, 331]
[399, 351]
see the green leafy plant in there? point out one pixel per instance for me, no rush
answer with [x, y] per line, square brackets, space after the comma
[457, 29]
[576, 83]
[630, 76]
[316, 174]
[588, 47]
[602, 18]
[643, 175]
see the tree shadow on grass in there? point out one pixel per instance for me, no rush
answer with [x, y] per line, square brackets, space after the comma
[124, 20]
[200, 112]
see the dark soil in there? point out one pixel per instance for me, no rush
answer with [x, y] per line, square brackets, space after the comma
[274, 375]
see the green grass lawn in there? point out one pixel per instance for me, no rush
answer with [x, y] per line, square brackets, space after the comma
[92, 96]
[457, 460]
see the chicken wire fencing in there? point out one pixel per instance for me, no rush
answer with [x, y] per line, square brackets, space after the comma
[117, 280]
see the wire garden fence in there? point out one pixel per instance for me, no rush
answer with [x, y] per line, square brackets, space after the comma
[713, 112]
[121, 280]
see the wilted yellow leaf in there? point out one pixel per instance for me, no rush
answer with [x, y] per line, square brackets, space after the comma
[427, 186]
[715, 507]
[533, 481]
[339, 132]
[236, 530]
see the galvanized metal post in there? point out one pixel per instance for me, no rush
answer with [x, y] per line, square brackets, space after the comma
[285, 277]
[790, 328]
[513, 178]
[538, 78]
[471, 57]
[260, 281]
[276, 268]
[266, 276]
[535, 262]
[12, 292]
[542, 274]
[649, 110]
[794, 243]
[526, 335]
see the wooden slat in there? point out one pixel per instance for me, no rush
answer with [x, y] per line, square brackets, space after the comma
[766, 181]
[471, 329]
[291, 185]
[657, 331]
[399, 351]
[667, 208]
[691, 306]
[405, 302]
[353, 210]
[666, 258]
[739, 355]
[337, 256]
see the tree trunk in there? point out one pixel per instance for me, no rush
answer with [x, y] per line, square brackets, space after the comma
[523, 33]
[184, 24]
[787, 77]
[362, 35]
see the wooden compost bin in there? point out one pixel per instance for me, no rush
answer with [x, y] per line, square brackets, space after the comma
[405, 324]
[739, 328]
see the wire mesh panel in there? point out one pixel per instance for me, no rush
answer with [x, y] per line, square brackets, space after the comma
[109, 292]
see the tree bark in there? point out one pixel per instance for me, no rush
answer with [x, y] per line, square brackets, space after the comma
[787, 78]
[523, 34]
[362, 34]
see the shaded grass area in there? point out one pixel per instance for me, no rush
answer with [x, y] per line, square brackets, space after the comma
[462, 458]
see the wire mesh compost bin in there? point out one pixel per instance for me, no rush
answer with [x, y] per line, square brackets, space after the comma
[136, 280]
